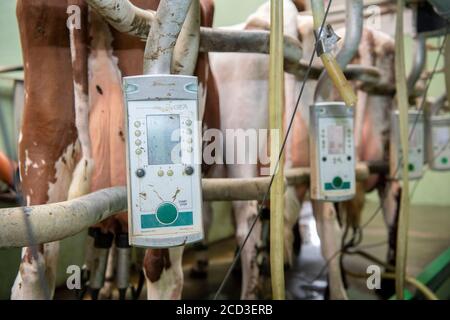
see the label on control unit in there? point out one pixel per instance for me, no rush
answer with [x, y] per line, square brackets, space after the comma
[332, 152]
[163, 160]
[416, 132]
[438, 142]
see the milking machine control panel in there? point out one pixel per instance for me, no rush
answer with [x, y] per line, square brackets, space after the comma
[416, 132]
[163, 160]
[438, 142]
[332, 152]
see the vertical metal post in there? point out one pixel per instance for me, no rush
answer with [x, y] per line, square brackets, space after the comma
[276, 105]
[402, 102]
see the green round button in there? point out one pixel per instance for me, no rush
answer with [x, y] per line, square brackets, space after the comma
[167, 213]
[337, 182]
[411, 167]
[444, 160]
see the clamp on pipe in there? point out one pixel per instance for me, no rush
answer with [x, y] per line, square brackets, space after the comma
[326, 40]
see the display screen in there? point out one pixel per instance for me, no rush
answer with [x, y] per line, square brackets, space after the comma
[163, 136]
[442, 135]
[336, 139]
[415, 138]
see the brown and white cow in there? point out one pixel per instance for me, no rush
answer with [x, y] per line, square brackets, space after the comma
[72, 139]
[243, 85]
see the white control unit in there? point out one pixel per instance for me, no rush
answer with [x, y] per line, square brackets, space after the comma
[163, 160]
[438, 142]
[416, 133]
[332, 150]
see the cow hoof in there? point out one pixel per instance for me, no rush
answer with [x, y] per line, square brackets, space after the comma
[106, 293]
[198, 274]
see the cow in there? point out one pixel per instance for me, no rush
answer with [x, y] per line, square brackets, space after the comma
[6, 170]
[72, 140]
[243, 85]
[242, 80]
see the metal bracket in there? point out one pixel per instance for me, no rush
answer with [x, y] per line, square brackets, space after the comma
[327, 40]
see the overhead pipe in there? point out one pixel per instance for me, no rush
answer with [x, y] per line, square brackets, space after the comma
[420, 58]
[124, 16]
[332, 67]
[353, 33]
[163, 34]
[218, 40]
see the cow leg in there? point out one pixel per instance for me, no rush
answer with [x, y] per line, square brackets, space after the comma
[293, 204]
[200, 268]
[353, 208]
[330, 236]
[245, 212]
[36, 277]
[390, 195]
[164, 273]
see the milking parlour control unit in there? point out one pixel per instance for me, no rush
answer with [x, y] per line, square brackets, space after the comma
[332, 151]
[163, 160]
[416, 143]
[438, 142]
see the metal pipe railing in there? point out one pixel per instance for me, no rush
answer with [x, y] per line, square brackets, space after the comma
[56, 221]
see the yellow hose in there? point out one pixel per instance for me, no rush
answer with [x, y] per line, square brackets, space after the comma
[427, 293]
[276, 104]
[330, 63]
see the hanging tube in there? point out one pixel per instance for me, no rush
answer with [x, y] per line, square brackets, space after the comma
[276, 103]
[353, 33]
[329, 62]
[420, 57]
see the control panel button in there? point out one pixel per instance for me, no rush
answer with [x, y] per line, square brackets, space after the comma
[189, 170]
[140, 173]
[167, 213]
[138, 142]
[189, 131]
[138, 151]
[137, 124]
[337, 182]
[137, 133]
[444, 160]
[411, 167]
[170, 173]
[189, 140]
[160, 173]
[188, 122]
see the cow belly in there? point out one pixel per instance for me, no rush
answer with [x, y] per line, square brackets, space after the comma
[106, 121]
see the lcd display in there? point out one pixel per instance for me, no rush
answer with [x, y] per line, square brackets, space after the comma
[336, 140]
[442, 135]
[415, 137]
[163, 136]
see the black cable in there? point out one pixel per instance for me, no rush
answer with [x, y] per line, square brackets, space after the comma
[291, 121]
